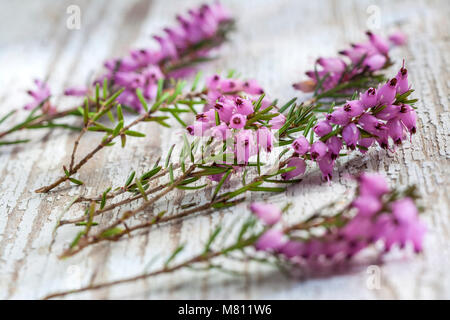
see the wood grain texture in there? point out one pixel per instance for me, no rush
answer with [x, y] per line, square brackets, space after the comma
[276, 41]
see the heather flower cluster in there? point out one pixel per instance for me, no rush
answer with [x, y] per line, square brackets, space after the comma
[366, 57]
[373, 217]
[229, 114]
[197, 33]
[378, 116]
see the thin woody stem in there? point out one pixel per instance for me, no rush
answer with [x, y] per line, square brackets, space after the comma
[203, 257]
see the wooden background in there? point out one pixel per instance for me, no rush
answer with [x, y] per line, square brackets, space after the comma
[276, 42]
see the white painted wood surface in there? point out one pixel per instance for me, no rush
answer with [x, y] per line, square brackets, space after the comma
[275, 42]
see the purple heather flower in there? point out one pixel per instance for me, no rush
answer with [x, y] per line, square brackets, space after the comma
[266, 212]
[243, 106]
[318, 150]
[371, 124]
[375, 62]
[271, 240]
[199, 128]
[76, 91]
[367, 205]
[301, 145]
[334, 145]
[365, 143]
[225, 111]
[379, 43]
[213, 82]
[221, 132]
[340, 116]
[293, 249]
[350, 134]
[230, 85]
[252, 86]
[389, 112]
[278, 121]
[245, 146]
[402, 80]
[39, 95]
[238, 121]
[386, 93]
[264, 138]
[300, 168]
[395, 130]
[332, 64]
[322, 128]
[326, 165]
[398, 38]
[353, 108]
[408, 118]
[369, 98]
[372, 184]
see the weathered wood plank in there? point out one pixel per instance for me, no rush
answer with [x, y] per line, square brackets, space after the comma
[276, 42]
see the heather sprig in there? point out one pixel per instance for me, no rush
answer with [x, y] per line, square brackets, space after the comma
[377, 217]
[338, 78]
[199, 32]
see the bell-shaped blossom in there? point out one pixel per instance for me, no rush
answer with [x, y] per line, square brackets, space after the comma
[266, 212]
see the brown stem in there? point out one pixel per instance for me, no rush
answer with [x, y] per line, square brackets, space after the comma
[197, 259]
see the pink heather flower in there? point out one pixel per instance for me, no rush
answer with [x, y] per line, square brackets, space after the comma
[199, 128]
[334, 145]
[350, 134]
[230, 85]
[354, 54]
[383, 139]
[213, 82]
[375, 62]
[278, 121]
[300, 145]
[252, 86]
[372, 184]
[367, 205]
[300, 168]
[238, 121]
[326, 165]
[357, 228]
[332, 64]
[225, 111]
[340, 116]
[245, 146]
[365, 143]
[39, 95]
[395, 130]
[264, 138]
[402, 80]
[389, 112]
[404, 210]
[371, 124]
[318, 150]
[379, 43]
[386, 94]
[369, 98]
[408, 118]
[271, 240]
[221, 132]
[76, 91]
[243, 106]
[293, 249]
[353, 108]
[168, 49]
[267, 213]
[322, 128]
[398, 38]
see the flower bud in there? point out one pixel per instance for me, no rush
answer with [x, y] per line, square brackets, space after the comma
[353, 108]
[334, 145]
[369, 98]
[266, 212]
[340, 116]
[318, 150]
[300, 168]
[395, 130]
[350, 134]
[322, 128]
[300, 145]
[386, 94]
